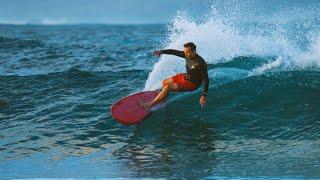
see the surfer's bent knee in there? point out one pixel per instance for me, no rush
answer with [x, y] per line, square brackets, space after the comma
[172, 86]
[166, 81]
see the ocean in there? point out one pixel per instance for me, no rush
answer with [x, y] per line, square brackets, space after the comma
[261, 120]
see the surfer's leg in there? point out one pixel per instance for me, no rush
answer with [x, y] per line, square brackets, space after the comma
[168, 87]
[166, 81]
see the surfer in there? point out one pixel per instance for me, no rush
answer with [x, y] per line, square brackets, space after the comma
[190, 81]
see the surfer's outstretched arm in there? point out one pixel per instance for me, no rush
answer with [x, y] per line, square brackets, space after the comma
[171, 52]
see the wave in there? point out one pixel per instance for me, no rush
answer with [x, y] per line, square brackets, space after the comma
[18, 44]
[221, 41]
[279, 105]
[77, 73]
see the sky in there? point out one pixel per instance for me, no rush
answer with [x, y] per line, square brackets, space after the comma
[97, 11]
[148, 11]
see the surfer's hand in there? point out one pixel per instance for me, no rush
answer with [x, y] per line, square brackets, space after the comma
[202, 100]
[157, 53]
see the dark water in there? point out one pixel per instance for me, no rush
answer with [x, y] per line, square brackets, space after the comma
[57, 84]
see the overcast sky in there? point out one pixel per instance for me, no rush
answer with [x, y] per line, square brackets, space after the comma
[97, 11]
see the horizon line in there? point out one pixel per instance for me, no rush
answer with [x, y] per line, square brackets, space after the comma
[63, 22]
[71, 24]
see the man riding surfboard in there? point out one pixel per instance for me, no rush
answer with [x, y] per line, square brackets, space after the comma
[196, 73]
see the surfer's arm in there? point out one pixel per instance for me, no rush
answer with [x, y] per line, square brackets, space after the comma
[205, 78]
[204, 74]
[173, 52]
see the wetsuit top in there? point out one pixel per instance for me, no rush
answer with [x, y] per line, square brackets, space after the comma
[196, 68]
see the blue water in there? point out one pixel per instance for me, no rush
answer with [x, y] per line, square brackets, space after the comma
[57, 84]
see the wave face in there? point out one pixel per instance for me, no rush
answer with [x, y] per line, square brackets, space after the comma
[261, 119]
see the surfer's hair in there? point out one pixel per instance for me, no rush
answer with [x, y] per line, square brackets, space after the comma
[191, 45]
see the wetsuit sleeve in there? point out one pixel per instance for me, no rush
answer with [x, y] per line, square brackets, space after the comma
[173, 52]
[204, 74]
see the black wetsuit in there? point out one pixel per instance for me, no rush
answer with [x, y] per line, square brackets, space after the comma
[196, 68]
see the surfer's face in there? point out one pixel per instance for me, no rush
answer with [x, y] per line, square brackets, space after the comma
[189, 53]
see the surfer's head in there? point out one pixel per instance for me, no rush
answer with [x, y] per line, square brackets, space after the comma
[189, 50]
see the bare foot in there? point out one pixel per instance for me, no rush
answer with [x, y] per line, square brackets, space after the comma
[145, 105]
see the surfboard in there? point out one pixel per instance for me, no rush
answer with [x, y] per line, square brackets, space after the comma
[127, 110]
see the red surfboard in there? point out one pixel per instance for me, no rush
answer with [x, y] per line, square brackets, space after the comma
[127, 110]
